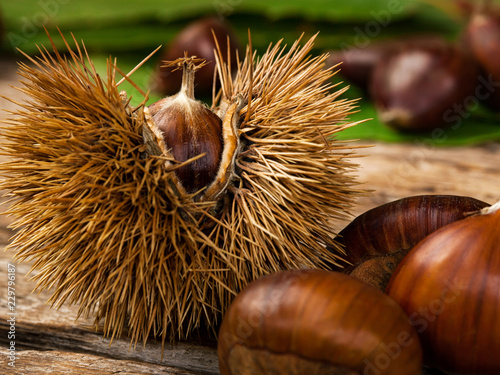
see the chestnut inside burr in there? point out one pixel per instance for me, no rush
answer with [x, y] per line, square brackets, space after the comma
[190, 130]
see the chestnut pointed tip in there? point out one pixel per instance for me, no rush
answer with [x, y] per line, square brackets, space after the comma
[197, 38]
[395, 117]
[491, 210]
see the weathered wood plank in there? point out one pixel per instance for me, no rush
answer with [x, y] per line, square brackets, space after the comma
[60, 362]
[395, 171]
[38, 327]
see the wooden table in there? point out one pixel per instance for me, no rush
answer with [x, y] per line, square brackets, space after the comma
[52, 341]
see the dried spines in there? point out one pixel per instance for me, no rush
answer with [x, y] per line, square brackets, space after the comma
[294, 175]
[108, 226]
[105, 226]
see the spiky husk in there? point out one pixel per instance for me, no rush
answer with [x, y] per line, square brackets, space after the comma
[292, 176]
[105, 227]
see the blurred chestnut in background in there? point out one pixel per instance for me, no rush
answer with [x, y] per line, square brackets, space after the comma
[197, 40]
[316, 322]
[414, 87]
[449, 286]
[482, 39]
[377, 240]
[357, 64]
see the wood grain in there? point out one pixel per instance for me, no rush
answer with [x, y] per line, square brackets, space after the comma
[394, 171]
[53, 341]
[60, 362]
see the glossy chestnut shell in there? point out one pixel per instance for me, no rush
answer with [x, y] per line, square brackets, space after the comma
[482, 39]
[377, 240]
[449, 286]
[316, 322]
[416, 88]
[358, 63]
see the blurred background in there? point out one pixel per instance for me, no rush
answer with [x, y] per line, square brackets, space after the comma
[131, 30]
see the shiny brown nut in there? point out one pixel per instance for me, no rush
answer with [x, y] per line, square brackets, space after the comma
[414, 88]
[377, 240]
[482, 40]
[316, 322]
[449, 286]
[185, 128]
[356, 64]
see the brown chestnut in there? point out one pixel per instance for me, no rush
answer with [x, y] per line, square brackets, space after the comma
[377, 240]
[316, 322]
[449, 286]
[414, 88]
[197, 39]
[482, 39]
[357, 64]
[188, 129]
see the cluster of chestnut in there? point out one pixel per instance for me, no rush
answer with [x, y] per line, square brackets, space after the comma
[433, 263]
[420, 281]
[426, 82]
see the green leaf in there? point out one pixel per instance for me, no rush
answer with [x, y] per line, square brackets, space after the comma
[130, 30]
[480, 126]
[126, 25]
